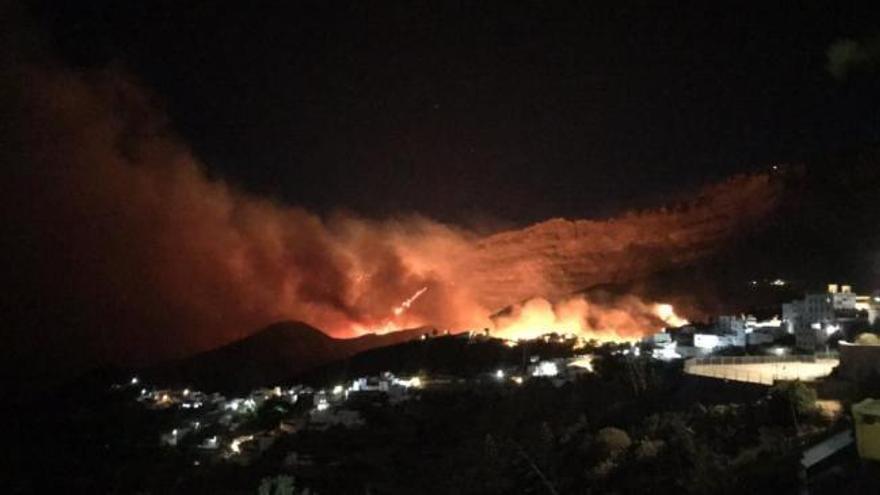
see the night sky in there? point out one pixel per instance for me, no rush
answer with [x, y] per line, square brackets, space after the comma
[482, 113]
[396, 139]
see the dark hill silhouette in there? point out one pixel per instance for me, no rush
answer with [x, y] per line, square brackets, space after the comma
[447, 355]
[268, 357]
[823, 230]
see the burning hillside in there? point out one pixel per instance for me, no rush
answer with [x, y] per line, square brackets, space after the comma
[627, 319]
[558, 257]
[122, 238]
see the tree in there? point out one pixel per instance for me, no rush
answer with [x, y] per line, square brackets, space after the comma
[612, 442]
[791, 402]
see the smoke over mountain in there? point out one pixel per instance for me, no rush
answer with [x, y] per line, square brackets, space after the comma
[124, 249]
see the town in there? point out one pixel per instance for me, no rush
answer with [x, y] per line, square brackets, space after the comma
[487, 248]
[822, 342]
[213, 428]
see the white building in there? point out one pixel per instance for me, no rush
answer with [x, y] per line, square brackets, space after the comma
[818, 316]
[746, 329]
[544, 368]
[870, 305]
[711, 341]
[659, 338]
[737, 327]
[666, 351]
[791, 314]
[844, 298]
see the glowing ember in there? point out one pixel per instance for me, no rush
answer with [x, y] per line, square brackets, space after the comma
[406, 304]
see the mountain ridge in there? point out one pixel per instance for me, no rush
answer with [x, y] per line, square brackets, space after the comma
[272, 355]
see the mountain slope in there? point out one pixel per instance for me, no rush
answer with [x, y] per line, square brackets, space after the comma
[270, 356]
[557, 257]
[824, 230]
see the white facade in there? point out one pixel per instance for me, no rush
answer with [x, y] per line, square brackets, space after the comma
[740, 328]
[544, 368]
[815, 318]
[870, 305]
[710, 341]
[666, 352]
[791, 315]
[659, 338]
[844, 298]
[734, 326]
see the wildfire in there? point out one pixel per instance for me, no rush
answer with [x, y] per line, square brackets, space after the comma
[398, 310]
[394, 322]
[387, 326]
[667, 313]
[623, 320]
[233, 261]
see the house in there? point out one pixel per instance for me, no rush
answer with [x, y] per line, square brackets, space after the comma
[818, 316]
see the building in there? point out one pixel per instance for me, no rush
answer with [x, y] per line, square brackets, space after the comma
[745, 330]
[707, 341]
[760, 337]
[736, 327]
[820, 315]
[791, 315]
[870, 306]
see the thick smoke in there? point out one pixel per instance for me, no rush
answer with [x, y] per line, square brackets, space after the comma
[117, 221]
[557, 257]
[125, 250]
[625, 318]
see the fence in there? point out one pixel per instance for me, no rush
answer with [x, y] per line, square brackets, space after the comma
[725, 367]
[719, 360]
[736, 375]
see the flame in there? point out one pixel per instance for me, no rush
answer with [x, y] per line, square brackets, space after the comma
[398, 310]
[396, 321]
[667, 313]
[623, 320]
[231, 261]
[387, 326]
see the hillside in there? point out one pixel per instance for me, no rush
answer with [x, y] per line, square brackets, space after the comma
[822, 230]
[272, 355]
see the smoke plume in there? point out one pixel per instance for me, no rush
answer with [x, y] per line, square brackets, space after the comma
[123, 249]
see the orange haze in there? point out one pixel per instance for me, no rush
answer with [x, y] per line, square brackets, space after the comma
[124, 246]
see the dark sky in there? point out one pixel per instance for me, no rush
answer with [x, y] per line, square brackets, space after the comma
[482, 111]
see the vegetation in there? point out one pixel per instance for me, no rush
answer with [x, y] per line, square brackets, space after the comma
[626, 429]
[633, 426]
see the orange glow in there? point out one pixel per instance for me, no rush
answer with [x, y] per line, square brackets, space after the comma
[624, 320]
[191, 262]
[667, 313]
[398, 310]
[386, 327]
